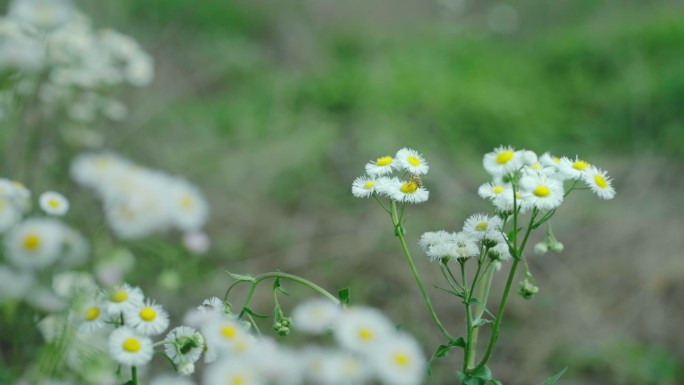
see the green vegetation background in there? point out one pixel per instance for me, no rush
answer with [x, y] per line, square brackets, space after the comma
[273, 107]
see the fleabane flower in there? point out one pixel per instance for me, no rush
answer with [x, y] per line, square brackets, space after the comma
[225, 334]
[10, 214]
[399, 361]
[548, 160]
[411, 161]
[492, 190]
[382, 166]
[53, 203]
[432, 238]
[361, 328]
[573, 169]
[35, 243]
[599, 182]
[402, 191]
[541, 192]
[343, 368]
[363, 187]
[503, 160]
[480, 225]
[184, 345]
[129, 348]
[505, 201]
[315, 316]
[231, 371]
[123, 297]
[92, 317]
[147, 318]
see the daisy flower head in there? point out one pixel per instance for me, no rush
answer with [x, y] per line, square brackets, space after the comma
[14, 284]
[189, 208]
[129, 348]
[492, 190]
[403, 191]
[478, 226]
[548, 160]
[184, 345]
[123, 297]
[146, 318]
[500, 252]
[53, 203]
[411, 161]
[503, 160]
[231, 371]
[35, 243]
[382, 166]
[505, 201]
[360, 328]
[442, 251]
[541, 192]
[315, 316]
[363, 187]
[343, 368]
[9, 214]
[212, 305]
[432, 238]
[225, 333]
[529, 158]
[399, 361]
[92, 317]
[599, 182]
[573, 169]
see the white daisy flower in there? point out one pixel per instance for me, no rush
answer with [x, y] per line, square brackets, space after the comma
[363, 187]
[399, 361]
[548, 160]
[54, 203]
[14, 284]
[382, 166]
[166, 379]
[47, 14]
[226, 334]
[480, 225]
[279, 365]
[213, 304]
[599, 182]
[360, 328]
[232, 371]
[9, 214]
[432, 238]
[504, 201]
[492, 190]
[129, 348]
[343, 368]
[148, 318]
[501, 161]
[189, 208]
[35, 243]
[123, 297]
[92, 317]
[529, 158]
[541, 192]
[573, 169]
[442, 251]
[411, 161]
[184, 344]
[402, 191]
[500, 252]
[315, 316]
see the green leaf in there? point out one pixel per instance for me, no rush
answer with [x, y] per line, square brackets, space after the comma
[544, 219]
[484, 307]
[552, 380]
[242, 277]
[255, 314]
[343, 295]
[483, 374]
[495, 382]
[449, 291]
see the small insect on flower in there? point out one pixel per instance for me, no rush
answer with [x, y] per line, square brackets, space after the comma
[54, 203]
[599, 182]
[402, 191]
[129, 348]
[411, 161]
[184, 344]
[382, 166]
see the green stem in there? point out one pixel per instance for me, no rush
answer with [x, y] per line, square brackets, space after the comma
[483, 295]
[470, 347]
[400, 234]
[134, 375]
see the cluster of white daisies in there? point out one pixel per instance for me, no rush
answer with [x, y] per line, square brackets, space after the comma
[122, 325]
[139, 201]
[406, 187]
[53, 50]
[33, 244]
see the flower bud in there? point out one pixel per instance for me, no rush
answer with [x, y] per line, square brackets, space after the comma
[494, 254]
[541, 248]
[186, 368]
[527, 289]
[556, 247]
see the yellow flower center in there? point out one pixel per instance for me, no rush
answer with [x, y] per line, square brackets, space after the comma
[186, 202]
[413, 160]
[31, 242]
[366, 334]
[497, 189]
[119, 296]
[600, 181]
[536, 166]
[504, 156]
[229, 331]
[53, 203]
[369, 185]
[401, 359]
[237, 380]
[580, 165]
[384, 161]
[408, 188]
[482, 226]
[131, 345]
[92, 313]
[148, 314]
[556, 159]
[542, 191]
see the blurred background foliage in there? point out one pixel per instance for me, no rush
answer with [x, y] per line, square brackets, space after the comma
[273, 107]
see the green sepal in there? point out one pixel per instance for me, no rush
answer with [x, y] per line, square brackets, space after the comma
[242, 277]
[254, 314]
[552, 380]
[343, 295]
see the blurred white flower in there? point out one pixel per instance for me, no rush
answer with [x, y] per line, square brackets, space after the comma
[53, 203]
[315, 316]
